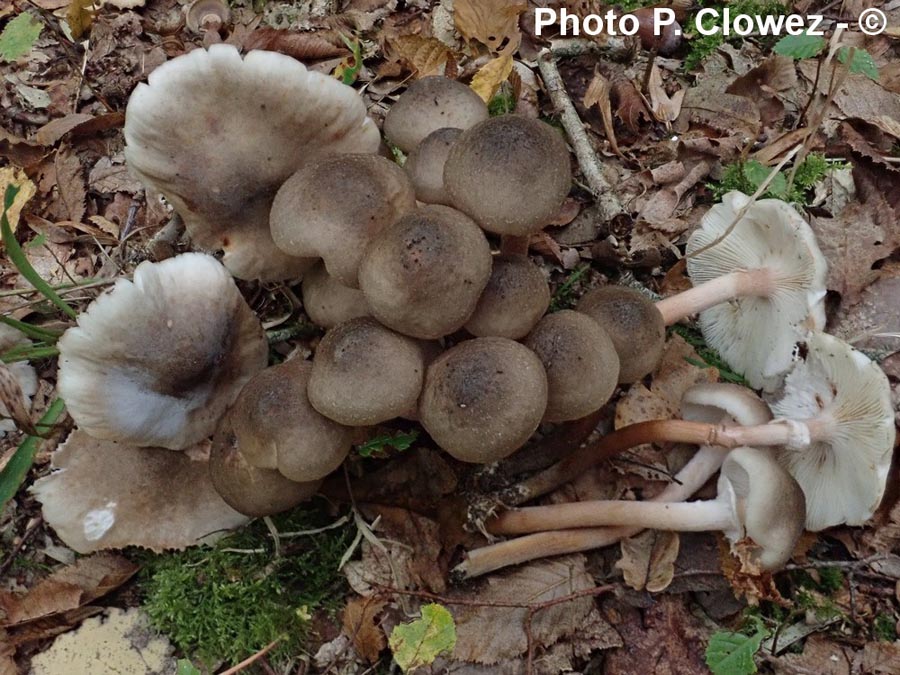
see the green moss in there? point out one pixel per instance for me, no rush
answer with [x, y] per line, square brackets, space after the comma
[748, 176]
[227, 602]
[831, 579]
[884, 628]
[504, 101]
[701, 46]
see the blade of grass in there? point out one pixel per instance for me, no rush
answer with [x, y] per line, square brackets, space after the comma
[29, 353]
[17, 257]
[33, 332]
[16, 469]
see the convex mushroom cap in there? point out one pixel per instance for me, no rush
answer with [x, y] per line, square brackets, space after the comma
[634, 325]
[364, 373]
[423, 275]
[848, 400]
[277, 428]
[483, 399]
[248, 489]
[217, 135]
[327, 301]
[105, 495]
[430, 104]
[510, 173]
[581, 363]
[516, 297]
[425, 166]
[157, 361]
[333, 207]
[775, 286]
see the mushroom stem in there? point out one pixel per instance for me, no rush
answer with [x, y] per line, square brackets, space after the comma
[742, 283]
[514, 245]
[794, 433]
[691, 478]
[678, 516]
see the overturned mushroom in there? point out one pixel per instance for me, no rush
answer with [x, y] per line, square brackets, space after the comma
[430, 104]
[206, 15]
[423, 275]
[634, 325]
[218, 134]
[106, 495]
[516, 297]
[581, 363]
[510, 173]
[757, 499]
[483, 399]
[364, 373]
[425, 166]
[332, 208]
[277, 428]
[248, 489]
[758, 291]
[328, 302]
[157, 361]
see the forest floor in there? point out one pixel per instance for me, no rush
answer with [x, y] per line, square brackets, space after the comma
[713, 115]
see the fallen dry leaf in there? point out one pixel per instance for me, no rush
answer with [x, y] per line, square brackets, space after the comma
[665, 108]
[424, 55]
[598, 94]
[493, 23]
[301, 46]
[360, 623]
[68, 588]
[491, 75]
[70, 183]
[630, 107]
[13, 176]
[648, 560]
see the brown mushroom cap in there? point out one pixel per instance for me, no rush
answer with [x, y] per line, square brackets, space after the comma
[425, 166]
[277, 428]
[514, 300]
[581, 363]
[483, 399]
[333, 207]
[364, 373]
[636, 328]
[429, 104]
[203, 15]
[246, 488]
[509, 173]
[423, 275]
[328, 302]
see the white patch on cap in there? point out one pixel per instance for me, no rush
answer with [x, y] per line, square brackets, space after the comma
[98, 522]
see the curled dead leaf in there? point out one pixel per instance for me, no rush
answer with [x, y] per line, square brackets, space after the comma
[493, 23]
[648, 560]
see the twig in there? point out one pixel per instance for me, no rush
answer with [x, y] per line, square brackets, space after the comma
[531, 608]
[613, 48]
[248, 661]
[608, 202]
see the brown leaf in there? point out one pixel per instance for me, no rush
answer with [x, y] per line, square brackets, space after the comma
[493, 23]
[598, 94]
[301, 46]
[69, 588]
[360, 623]
[659, 211]
[56, 129]
[21, 152]
[881, 658]
[70, 183]
[664, 639]
[648, 560]
[107, 177]
[665, 108]
[630, 107]
[488, 635]
[80, 16]
[424, 55]
[820, 655]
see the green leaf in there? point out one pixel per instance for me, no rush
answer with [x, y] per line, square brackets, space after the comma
[185, 667]
[17, 256]
[33, 332]
[732, 653]
[418, 643]
[377, 446]
[19, 37]
[799, 46]
[757, 174]
[862, 62]
[348, 69]
[14, 472]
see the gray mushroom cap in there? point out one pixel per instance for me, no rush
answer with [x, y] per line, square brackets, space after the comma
[516, 297]
[423, 275]
[218, 134]
[328, 302]
[634, 325]
[581, 363]
[333, 207]
[277, 428]
[364, 373]
[483, 399]
[425, 166]
[511, 174]
[429, 104]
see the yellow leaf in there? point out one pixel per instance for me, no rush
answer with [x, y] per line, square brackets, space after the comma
[491, 76]
[80, 16]
[493, 23]
[12, 176]
[426, 56]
